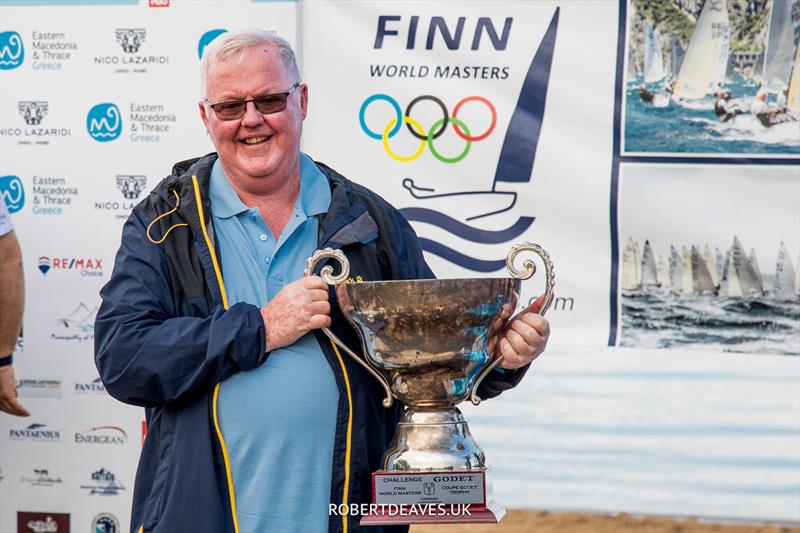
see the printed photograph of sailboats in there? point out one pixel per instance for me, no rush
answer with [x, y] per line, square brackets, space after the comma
[712, 77]
[709, 258]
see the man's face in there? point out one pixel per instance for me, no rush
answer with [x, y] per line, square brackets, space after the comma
[255, 150]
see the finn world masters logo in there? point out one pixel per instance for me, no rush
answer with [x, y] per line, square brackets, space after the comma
[12, 191]
[12, 51]
[104, 122]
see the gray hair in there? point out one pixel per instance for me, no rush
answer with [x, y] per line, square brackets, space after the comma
[234, 45]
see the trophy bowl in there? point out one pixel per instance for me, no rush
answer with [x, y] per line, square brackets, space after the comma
[430, 343]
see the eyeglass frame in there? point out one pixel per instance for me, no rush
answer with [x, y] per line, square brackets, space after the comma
[287, 93]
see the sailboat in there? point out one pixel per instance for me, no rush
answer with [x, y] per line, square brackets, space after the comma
[649, 273]
[739, 277]
[711, 265]
[677, 53]
[663, 272]
[654, 64]
[793, 98]
[675, 269]
[784, 274]
[631, 263]
[706, 57]
[720, 260]
[701, 278]
[687, 284]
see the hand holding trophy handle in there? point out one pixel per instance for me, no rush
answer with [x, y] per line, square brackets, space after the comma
[528, 270]
[328, 277]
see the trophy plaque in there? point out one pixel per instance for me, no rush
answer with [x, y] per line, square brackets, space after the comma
[430, 343]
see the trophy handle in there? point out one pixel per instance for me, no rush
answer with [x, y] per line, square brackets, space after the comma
[327, 276]
[527, 271]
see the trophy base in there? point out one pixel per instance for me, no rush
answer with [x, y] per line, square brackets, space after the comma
[491, 513]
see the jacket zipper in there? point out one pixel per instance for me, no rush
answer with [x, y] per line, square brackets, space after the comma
[218, 273]
[348, 437]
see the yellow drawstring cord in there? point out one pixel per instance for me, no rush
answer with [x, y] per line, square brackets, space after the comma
[159, 217]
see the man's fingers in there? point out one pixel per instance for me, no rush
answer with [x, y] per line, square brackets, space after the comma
[314, 282]
[318, 294]
[526, 331]
[537, 322]
[320, 308]
[319, 321]
[518, 343]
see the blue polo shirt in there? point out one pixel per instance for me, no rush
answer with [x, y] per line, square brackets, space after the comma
[278, 420]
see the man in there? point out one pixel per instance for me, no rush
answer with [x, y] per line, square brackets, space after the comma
[12, 303]
[256, 422]
[724, 108]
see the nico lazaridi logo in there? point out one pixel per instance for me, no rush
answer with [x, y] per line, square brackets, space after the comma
[12, 192]
[12, 51]
[104, 122]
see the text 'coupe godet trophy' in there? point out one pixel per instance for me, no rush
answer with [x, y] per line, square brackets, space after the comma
[430, 343]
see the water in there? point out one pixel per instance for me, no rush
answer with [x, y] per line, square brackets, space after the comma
[693, 127]
[658, 318]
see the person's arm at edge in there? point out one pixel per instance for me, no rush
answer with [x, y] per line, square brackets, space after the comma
[12, 304]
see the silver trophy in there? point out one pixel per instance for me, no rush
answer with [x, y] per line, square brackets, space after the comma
[430, 343]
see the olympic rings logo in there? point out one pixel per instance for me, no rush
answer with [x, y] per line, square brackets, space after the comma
[415, 128]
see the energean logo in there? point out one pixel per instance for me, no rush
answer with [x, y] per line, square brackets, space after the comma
[102, 435]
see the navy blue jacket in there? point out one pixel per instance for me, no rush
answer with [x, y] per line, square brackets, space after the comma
[165, 338]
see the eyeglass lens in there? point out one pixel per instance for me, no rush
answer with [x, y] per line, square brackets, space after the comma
[266, 105]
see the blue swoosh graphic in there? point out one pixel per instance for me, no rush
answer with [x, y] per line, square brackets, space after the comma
[470, 233]
[519, 146]
[470, 263]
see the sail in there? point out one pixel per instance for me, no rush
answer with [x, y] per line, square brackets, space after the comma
[754, 263]
[701, 278]
[748, 279]
[720, 260]
[730, 286]
[687, 285]
[675, 269]
[784, 274]
[653, 60]
[630, 266]
[780, 45]
[677, 56]
[663, 272]
[707, 56]
[797, 278]
[793, 98]
[711, 265]
[649, 273]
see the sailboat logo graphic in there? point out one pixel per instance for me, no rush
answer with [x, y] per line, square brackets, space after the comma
[104, 122]
[515, 165]
[12, 51]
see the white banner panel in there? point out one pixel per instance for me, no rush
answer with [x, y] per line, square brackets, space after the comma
[520, 97]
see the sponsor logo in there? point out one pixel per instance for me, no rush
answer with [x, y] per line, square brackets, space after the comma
[102, 435]
[130, 39]
[12, 192]
[78, 326]
[104, 483]
[104, 122]
[95, 387]
[12, 51]
[35, 433]
[39, 388]
[52, 195]
[429, 488]
[41, 478]
[105, 523]
[437, 128]
[149, 121]
[131, 186]
[159, 3]
[87, 267]
[42, 522]
[51, 50]
[32, 112]
[482, 29]
[206, 39]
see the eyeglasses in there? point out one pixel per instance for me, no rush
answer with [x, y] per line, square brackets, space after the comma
[266, 105]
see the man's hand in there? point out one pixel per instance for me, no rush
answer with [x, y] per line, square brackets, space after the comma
[297, 309]
[8, 393]
[525, 337]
